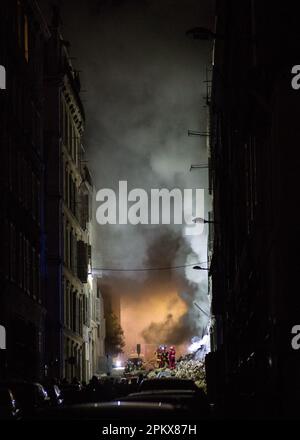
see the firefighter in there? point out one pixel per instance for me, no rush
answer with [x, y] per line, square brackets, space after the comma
[165, 356]
[172, 357]
[158, 357]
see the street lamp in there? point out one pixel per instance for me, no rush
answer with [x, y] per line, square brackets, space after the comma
[200, 268]
[202, 220]
[198, 133]
[201, 33]
[204, 34]
[201, 166]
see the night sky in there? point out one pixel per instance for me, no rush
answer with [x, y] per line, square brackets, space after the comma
[143, 88]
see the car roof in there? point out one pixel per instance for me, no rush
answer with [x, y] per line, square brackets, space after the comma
[167, 383]
[156, 392]
[111, 410]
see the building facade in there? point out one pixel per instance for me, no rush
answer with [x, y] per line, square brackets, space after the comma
[73, 320]
[49, 302]
[22, 267]
[253, 369]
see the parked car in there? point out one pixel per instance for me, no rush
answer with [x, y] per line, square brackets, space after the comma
[30, 396]
[169, 383]
[55, 395]
[193, 400]
[9, 409]
[126, 411]
[72, 393]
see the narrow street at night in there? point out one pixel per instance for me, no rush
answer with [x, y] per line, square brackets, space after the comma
[148, 214]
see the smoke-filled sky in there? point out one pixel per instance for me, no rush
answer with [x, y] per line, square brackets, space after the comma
[143, 88]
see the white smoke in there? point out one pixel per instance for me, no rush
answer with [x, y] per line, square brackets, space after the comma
[200, 347]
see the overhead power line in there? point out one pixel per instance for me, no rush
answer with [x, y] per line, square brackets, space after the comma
[146, 269]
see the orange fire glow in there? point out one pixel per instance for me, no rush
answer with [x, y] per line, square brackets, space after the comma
[139, 312]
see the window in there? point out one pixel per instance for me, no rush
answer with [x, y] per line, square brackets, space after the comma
[75, 255]
[71, 309]
[34, 194]
[66, 187]
[76, 149]
[70, 191]
[66, 127]
[14, 164]
[38, 277]
[28, 266]
[65, 286]
[26, 38]
[19, 23]
[19, 175]
[33, 276]
[70, 128]
[85, 310]
[70, 248]
[74, 312]
[80, 315]
[61, 119]
[13, 253]
[251, 180]
[21, 261]
[6, 253]
[66, 243]
[72, 140]
[23, 31]
[38, 201]
[67, 305]
[24, 263]
[11, 164]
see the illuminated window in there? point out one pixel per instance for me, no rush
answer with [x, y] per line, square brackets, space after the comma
[26, 38]
[23, 30]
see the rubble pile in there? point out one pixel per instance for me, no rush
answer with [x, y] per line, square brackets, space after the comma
[192, 369]
[186, 368]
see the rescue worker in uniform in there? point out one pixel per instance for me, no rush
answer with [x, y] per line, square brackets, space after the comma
[172, 357]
